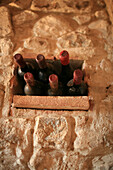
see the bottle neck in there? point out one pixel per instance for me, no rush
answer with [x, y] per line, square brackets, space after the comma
[65, 66]
[29, 79]
[30, 83]
[54, 89]
[24, 69]
[43, 69]
[41, 61]
[53, 81]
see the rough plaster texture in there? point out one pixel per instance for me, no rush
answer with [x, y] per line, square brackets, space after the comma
[52, 140]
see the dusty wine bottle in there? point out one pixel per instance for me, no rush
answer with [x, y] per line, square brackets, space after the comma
[44, 71]
[32, 86]
[24, 67]
[66, 73]
[76, 86]
[54, 86]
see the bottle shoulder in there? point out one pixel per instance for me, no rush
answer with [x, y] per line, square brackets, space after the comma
[57, 93]
[28, 68]
[32, 90]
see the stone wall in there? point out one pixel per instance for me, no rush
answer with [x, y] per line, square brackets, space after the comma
[46, 139]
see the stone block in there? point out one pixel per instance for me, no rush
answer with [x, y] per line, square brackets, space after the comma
[5, 22]
[51, 26]
[52, 137]
[16, 137]
[62, 6]
[51, 133]
[6, 47]
[90, 142]
[23, 23]
[54, 133]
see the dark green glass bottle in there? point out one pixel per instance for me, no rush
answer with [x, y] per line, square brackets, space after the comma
[44, 71]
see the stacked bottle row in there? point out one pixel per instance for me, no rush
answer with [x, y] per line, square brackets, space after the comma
[47, 81]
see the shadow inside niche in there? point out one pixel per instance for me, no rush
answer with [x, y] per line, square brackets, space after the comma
[18, 83]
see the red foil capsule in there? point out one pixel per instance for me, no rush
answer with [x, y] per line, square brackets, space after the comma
[64, 57]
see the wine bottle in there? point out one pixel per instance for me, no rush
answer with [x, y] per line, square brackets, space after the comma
[32, 86]
[44, 71]
[24, 67]
[54, 86]
[66, 73]
[77, 87]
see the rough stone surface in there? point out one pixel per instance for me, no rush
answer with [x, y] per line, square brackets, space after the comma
[6, 47]
[54, 133]
[5, 22]
[24, 17]
[101, 14]
[109, 4]
[104, 163]
[15, 140]
[50, 139]
[51, 27]
[6, 2]
[23, 4]
[85, 142]
[63, 6]
[1, 98]
[37, 44]
[99, 25]
[7, 101]
[82, 19]
[77, 44]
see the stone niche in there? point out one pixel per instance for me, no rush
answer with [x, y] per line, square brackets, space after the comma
[48, 102]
